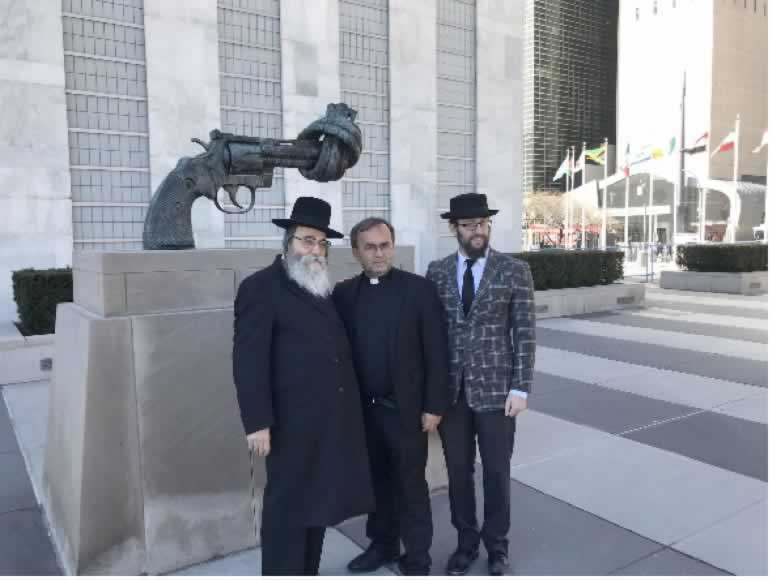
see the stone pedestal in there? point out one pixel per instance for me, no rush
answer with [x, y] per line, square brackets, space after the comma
[146, 465]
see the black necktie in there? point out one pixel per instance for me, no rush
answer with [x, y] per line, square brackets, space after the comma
[467, 291]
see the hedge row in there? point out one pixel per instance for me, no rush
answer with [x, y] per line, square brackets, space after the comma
[553, 269]
[37, 292]
[722, 257]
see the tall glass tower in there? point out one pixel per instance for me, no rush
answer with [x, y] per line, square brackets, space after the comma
[570, 83]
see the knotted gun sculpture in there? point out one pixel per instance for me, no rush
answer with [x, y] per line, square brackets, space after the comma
[323, 151]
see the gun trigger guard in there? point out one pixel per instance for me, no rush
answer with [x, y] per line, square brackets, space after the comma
[252, 199]
[227, 211]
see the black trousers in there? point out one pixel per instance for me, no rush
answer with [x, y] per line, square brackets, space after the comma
[290, 550]
[495, 436]
[402, 508]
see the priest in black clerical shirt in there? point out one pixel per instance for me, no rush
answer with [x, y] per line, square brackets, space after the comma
[396, 326]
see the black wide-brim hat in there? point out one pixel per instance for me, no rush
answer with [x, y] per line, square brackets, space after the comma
[312, 213]
[469, 205]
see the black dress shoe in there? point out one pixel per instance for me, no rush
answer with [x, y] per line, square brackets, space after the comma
[498, 565]
[460, 562]
[373, 558]
[408, 569]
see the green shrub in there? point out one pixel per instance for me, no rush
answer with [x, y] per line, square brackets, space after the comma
[37, 292]
[553, 269]
[722, 257]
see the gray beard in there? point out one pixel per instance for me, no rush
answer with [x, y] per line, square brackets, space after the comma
[316, 281]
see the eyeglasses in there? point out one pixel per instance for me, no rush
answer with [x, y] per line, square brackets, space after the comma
[472, 226]
[310, 243]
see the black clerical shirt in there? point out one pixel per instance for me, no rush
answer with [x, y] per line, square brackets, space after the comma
[375, 323]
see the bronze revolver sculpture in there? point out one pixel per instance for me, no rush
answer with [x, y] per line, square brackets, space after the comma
[323, 151]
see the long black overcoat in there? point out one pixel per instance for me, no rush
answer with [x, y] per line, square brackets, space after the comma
[293, 373]
[418, 351]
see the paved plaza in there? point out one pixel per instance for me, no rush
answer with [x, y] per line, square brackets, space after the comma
[643, 452]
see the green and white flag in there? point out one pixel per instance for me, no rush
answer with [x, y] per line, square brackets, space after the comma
[562, 170]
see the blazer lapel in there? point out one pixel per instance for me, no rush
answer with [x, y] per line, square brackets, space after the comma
[491, 268]
[450, 269]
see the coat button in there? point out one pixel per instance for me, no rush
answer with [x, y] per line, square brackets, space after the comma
[340, 389]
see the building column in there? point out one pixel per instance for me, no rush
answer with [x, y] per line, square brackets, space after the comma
[35, 193]
[310, 80]
[413, 126]
[183, 94]
[500, 36]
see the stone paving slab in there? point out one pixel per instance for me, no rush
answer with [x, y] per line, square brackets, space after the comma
[750, 409]
[24, 545]
[654, 355]
[655, 493]
[669, 562]
[7, 437]
[638, 320]
[15, 488]
[753, 311]
[714, 439]
[759, 301]
[338, 550]
[739, 543]
[541, 437]
[723, 321]
[661, 384]
[738, 349]
[599, 407]
[547, 537]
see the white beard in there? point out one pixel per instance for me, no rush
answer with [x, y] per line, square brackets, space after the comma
[314, 279]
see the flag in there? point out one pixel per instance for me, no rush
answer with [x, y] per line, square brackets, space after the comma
[562, 170]
[579, 162]
[626, 167]
[643, 155]
[727, 144]
[764, 142]
[597, 155]
[659, 152]
[699, 145]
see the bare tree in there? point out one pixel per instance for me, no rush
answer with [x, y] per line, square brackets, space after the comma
[545, 207]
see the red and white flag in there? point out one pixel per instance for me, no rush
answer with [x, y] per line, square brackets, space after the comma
[727, 144]
[764, 142]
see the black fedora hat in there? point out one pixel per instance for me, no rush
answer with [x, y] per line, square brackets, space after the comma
[469, 205]
[310, 212]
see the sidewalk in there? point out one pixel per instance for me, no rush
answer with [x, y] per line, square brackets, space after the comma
[643, 452]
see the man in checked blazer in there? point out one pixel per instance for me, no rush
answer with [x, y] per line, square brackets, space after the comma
[488, 300]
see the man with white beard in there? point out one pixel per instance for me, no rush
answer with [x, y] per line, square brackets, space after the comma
[299, 397]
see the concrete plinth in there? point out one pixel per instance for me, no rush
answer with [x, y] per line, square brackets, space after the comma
[146, 465]
[748, 283]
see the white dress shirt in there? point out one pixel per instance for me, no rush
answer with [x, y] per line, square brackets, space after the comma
[477, 273]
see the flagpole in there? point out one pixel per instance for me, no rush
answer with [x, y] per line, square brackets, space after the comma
[678, 186]
[627, 200]
[650, 225]
[603, 218]
[733, 214]
[565, 208]
[584, 181]
[571, 197]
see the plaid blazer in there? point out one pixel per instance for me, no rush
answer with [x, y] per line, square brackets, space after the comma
[494, 345]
